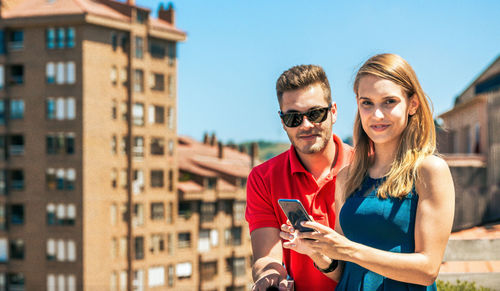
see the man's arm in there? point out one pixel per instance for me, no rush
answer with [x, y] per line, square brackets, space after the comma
[267, 269]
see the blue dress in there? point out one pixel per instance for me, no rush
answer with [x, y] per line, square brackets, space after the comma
[386, 224]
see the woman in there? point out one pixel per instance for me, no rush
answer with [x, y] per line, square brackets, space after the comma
[395, 202]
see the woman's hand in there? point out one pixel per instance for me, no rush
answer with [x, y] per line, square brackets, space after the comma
[324, 240]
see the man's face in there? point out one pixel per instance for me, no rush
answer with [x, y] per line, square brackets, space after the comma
[308, 137]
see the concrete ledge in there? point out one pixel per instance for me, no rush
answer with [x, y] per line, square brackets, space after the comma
[472, 250]
[488, 280]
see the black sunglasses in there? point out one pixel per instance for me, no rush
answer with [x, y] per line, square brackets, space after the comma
[294, 119]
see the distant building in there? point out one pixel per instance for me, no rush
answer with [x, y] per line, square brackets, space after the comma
[88, 167]
[470, 142]
[213, 236]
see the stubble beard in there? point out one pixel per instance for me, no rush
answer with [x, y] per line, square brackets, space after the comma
[314, 148]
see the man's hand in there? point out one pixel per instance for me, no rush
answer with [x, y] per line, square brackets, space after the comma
[271, 278]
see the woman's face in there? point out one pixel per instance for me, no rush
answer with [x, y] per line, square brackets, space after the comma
[383, 109]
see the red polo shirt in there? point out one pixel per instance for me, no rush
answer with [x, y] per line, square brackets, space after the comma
[284, 176]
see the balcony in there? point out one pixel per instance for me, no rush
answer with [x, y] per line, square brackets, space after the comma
[16, 150]
[15, 45]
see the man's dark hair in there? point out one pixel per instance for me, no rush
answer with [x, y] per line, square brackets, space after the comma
[302, 76]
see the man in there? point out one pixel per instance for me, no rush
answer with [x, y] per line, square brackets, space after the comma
[306, 172]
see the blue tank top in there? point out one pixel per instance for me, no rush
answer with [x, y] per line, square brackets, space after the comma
[386, 224]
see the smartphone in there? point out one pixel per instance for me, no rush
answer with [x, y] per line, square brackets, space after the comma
[295, 212]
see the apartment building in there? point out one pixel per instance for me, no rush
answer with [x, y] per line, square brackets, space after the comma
[469, 139]
[215, 239]
[88, 154]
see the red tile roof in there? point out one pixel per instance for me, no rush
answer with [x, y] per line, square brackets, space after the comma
[189, 186]
[37, 8]
[202, 159]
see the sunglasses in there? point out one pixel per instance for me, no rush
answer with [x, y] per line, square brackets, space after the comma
[294, 119]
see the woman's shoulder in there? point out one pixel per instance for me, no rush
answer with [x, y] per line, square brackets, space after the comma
[432, 164]
[433, 171]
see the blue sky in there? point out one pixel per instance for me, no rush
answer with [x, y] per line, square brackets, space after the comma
[236, 50]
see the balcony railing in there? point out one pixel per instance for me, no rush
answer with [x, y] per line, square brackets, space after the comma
[16, 45]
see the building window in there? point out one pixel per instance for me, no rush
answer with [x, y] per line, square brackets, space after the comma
[16, 214]
[60, 143]
[61, 250]
[171, 88]
[232, 236]
[138, 184]
[157, 243]
[4, 255]
[207, 239]
[16, 40]
[239, 210]
[123, 179]
[64, 282]
[138, 280]
[211, 182]
[208, 211]
[3, 218]
[114, 75]
[208, 271]
[156, 114]
[170, 180]
[170, 147]
[157, 146]
[170, 212]
[236, 266]
[156, 49]
[114, 41]
[171, 53]
[16, 145]
[70, 72]
[138, 80]
[157, 178]
[170, 116]
[16, 179]
[157, 82]
[2, 76]
[139, 47]
[124, 76]
[139, 247]
[60, 179]
[114, 110]
[170, 275]
[70, 37]
[60, 37]
[16, 76]
[16, 109]
[156, 276]
[138, 149]
[2, 112]
[50, 72]
[15, 281]
[61, 215]
[50, 35]
[61, 108]
[184, 270]
[157, 211]
[184, 240]
[124, 42]
[114, 178]
[16, 249]
[114, 145]
[3, 50]
[138, 114]
[113, 214]
[138, 218]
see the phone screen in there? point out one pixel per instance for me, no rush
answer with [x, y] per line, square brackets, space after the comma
[295, 212]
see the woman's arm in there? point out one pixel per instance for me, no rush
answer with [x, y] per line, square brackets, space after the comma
[304, 247]
[433, 224]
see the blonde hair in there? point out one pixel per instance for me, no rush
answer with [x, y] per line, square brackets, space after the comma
[418, 139]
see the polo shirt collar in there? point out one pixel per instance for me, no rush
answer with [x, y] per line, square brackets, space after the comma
[297, 167]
